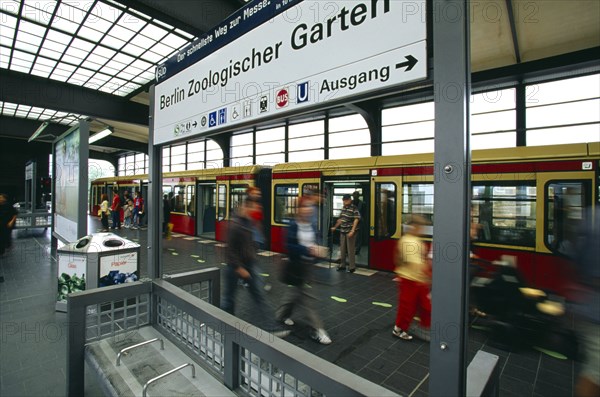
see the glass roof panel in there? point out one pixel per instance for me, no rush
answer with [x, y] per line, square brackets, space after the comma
[152, 57]
[113, 42]
[90, 34]
[64, 24]
[8, 21]
[106, 12]
[174, 41]
[154, 32]
[131, 22]
[6, 36]
[21, 45]
[70, 13]
[133, 50]
[45, 62]
[143, 41]
[121, 32]
[10, 6]
[58, 37]
[32, 28]
[42, 14]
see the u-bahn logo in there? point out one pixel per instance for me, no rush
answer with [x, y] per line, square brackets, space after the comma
[302, 92]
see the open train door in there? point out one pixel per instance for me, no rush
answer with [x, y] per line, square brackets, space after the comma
[332, 193]
[385, 225]
[206, 210]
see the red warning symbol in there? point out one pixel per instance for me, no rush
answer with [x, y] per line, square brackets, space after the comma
[282, 98]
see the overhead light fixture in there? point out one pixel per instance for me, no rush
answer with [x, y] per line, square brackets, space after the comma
[40, 129]
[102, 134]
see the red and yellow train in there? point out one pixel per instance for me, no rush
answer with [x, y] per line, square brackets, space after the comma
[525, 201]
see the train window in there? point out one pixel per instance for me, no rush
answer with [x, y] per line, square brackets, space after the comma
[222, 202]
[385, 210]
[286, 201]
[506, 213]
[417, 198]
[236, 196]
[565, 206]
[180, 199]
[191, 205]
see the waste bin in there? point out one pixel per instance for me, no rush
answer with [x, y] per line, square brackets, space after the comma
[94, 261]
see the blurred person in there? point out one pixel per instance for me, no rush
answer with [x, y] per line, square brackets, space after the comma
[104, 212]
[414, 270]
[138, 210]
[116, 210]
[127, 213]
[303, 250]
[348, 224]
[314, 198]
[241, 262]
[8, 218]
[166, 216]
[360, 206]
[587, 308]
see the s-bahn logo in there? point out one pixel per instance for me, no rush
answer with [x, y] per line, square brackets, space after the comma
[282, 98]
[161, 70]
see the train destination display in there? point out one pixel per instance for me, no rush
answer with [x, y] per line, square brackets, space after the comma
[265, 63]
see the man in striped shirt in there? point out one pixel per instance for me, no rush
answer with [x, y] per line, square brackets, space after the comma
[348, 224]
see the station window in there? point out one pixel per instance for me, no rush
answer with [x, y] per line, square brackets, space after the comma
[564, 111]
[306, 141]
[178, 158]
[385, 209]
[214, 155]
[166, 153]
[505, 212]
[285, 203]
[349, 137]
[195, 156]
[270, 146]
[407, 129]
[417, 199]
[566, 217]
[222, 202]
[242, 149]
[493, 121]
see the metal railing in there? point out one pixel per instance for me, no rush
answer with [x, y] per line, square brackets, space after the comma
[249, 360]
[30, 220]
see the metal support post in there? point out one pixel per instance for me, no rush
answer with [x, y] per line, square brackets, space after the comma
[452, 169]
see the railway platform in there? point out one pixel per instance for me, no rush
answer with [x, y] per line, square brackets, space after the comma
[358, 311]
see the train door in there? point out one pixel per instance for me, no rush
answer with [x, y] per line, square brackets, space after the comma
[333, 192]
[385, 220]
[222, 214]
[206, 209]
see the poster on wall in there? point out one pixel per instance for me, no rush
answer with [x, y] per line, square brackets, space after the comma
[71, 275]
[118, 269]
[70, 151]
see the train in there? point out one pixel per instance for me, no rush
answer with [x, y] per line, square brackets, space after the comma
[525, 202]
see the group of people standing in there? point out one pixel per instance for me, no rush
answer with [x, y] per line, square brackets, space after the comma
[133, 210]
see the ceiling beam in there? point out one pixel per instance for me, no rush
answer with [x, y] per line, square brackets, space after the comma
[36, 91]
[20, 128]
[513, 30]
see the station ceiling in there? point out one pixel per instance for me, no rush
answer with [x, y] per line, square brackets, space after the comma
[65, 60]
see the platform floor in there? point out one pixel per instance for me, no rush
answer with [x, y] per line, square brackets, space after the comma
[358, 311]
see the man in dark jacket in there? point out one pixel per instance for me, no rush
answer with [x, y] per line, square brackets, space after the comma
[8, 218]
[241, 263]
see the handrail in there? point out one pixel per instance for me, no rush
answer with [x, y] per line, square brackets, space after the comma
[167, 374]
[162, 347]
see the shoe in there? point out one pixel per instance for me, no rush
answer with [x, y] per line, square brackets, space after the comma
[280, 333]
[340, 269]
[338, 260]
[321, 336]
[401, 334]
[288, 321]
[350, 270]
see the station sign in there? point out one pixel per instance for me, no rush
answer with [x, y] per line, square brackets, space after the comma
[299, 59]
